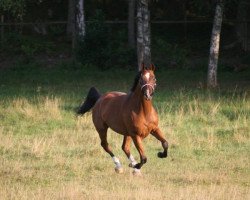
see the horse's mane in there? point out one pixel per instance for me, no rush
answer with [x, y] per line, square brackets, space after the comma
[136, 80]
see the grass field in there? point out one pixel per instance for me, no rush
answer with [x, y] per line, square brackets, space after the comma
[46, 152]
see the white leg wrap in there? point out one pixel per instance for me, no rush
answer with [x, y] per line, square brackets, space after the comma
[117, 162]
[132, 160]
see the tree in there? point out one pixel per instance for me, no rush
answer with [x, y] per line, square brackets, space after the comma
[15, 7]
[80, 22]
[79, 25]
[143, 34]
[131, 23]
[71, 22]
[214, 45]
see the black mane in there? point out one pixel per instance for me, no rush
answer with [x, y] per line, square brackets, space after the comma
[136, 80]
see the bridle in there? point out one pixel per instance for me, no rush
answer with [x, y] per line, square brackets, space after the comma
[150, 85]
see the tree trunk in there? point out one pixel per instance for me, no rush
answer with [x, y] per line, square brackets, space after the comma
[131, 23]
[143, 34]
[214, 46]
[71, 17]
[80, 23]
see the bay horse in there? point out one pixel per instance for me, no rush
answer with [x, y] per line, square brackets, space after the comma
[131, 115]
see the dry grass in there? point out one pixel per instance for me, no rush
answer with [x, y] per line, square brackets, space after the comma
[48, 153]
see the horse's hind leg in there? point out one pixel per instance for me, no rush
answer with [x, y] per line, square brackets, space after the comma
[158, 134]
[103, 136]
[126, 148]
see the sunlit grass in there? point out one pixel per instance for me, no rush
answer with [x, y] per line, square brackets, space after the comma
[46, 152]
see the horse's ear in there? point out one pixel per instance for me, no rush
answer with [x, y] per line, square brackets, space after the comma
[152, 67]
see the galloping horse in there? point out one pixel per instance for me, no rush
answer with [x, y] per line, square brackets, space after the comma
[131, 115]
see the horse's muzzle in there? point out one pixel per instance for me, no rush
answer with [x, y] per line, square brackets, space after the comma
[148, 94]
[148, 91]
[148, 98]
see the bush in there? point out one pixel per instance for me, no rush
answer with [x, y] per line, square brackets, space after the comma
[168, 54]
[27, 46]
[93, 48]
[101, 48]
[246, 59]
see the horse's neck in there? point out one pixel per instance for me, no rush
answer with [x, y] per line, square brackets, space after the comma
[141, 104]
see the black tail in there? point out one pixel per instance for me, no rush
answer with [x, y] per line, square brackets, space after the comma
[92, 97]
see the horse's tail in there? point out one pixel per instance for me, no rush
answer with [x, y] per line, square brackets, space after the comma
[92, 97]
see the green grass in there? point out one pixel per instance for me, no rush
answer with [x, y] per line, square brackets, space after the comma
[46, 152]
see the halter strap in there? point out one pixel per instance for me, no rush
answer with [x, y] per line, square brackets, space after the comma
[147, 84]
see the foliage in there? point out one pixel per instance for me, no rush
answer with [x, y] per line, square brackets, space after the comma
[56, 30]
[201, 8]
[102, 48]
[15, 7]
[17, 44]
[246, 59]
[93, 48]
[171, 55]
[19, 9]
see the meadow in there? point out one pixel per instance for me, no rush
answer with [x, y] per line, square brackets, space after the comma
[47, 152]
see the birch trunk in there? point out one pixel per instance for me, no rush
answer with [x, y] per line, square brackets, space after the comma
[80, 23]
[131, 23]
[143, 34]
[214, 46]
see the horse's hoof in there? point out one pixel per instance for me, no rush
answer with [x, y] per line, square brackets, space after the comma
[162, 155]
[137, 166]
[119, 170]
[137, 172]
[131, 165]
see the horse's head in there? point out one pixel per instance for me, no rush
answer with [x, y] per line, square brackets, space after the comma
[147, 81]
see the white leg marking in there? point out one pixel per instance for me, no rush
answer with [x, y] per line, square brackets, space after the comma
[118, 165]
[132, 160]
[117, 162]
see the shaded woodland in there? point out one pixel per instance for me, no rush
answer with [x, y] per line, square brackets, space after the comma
[177, 35]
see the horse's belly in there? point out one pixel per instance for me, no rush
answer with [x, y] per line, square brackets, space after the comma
[109, 110]
[119, 130]
[117, 126]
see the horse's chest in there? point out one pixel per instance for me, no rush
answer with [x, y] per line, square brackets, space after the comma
[143, 124]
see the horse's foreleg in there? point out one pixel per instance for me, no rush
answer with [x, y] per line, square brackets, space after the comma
[138, 144]
[126, 148]
[158, 134]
